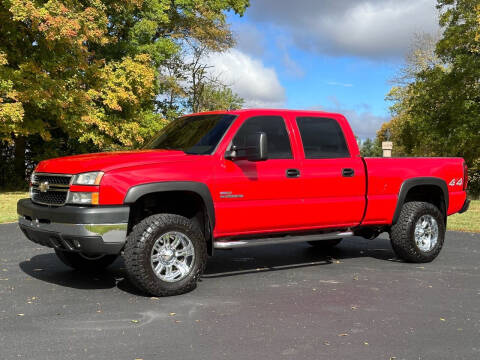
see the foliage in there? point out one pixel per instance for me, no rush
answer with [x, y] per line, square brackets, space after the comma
[436, 104]
[218, 97]
[86, 72]
[371, 148]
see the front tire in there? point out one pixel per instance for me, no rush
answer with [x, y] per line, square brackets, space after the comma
[419, 233]
[85, 263]
[165, 255]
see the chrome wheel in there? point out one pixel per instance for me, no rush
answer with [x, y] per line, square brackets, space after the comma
[426, 233]
[172, 256]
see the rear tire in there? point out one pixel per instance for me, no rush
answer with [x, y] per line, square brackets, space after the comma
[419, 233]
[325, 244]
[84, 262]
[165, 255]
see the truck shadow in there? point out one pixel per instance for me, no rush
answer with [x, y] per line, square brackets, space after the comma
[238, 262]
[291, 256]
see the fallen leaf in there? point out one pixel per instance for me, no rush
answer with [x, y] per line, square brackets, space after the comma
[134, 321]
[172, 314]
[344, 334]
[442, 319]
[20, 314]
[354, 307]
[177, 321]
[365, 343]
[5, 279]
[314, 289]
[326, 343]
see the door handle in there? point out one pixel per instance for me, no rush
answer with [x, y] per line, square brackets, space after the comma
[293, 173]
[348, 172]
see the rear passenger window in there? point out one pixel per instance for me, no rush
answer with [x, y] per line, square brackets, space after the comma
[322, 138]
[278, 142]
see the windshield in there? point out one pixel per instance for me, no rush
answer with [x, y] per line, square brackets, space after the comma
[198, 134]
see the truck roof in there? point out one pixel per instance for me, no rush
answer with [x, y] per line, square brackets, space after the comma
[270, 111]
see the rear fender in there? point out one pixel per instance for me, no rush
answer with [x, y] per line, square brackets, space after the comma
[409, 184]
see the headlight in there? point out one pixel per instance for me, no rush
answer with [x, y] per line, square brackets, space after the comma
[85, 198]
[90, 178]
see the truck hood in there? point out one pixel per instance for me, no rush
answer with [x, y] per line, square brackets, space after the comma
[108, 161]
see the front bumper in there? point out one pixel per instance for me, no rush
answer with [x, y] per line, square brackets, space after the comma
[90, 230]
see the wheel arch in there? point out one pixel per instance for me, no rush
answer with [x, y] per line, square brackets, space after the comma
[430, 189]
[166, 191]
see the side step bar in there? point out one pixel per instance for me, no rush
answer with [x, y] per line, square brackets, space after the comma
[233, 244]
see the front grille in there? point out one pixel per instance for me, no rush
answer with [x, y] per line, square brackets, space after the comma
[50, 189]
[52, 179]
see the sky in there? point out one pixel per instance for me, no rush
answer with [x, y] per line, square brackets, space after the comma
[332, 55]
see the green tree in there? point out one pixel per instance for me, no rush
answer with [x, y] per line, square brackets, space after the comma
[191, 84]
[437, 111]
[84, 74]
[370, 148]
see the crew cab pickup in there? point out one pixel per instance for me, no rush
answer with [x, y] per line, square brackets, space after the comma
[230, 179]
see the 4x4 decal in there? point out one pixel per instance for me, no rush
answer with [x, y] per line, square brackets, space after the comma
[455, 182]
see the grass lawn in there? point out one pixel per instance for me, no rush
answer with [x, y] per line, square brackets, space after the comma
[8, 205]
[469, 221]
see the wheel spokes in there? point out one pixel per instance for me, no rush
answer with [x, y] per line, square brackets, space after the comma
[172, 256]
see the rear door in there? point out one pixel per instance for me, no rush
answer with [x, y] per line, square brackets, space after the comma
[333, 182]
[262, 196]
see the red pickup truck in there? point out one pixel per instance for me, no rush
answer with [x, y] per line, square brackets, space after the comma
[230, 179]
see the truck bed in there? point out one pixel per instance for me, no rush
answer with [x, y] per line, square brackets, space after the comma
[386, 175]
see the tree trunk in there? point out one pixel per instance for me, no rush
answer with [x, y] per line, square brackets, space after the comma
[19, 161]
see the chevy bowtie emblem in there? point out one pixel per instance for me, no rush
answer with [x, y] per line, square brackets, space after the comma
[43, 187]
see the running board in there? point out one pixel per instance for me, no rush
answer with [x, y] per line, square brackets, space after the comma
[233, 244]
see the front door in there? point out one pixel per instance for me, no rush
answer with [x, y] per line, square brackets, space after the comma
[261, 196]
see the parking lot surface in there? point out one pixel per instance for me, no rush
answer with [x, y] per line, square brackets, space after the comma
[274, 302]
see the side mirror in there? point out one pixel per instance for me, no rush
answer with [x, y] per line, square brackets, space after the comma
[254, 150]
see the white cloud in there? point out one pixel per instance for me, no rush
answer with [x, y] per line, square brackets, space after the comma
[361, 118]
[249, 78]
[368, 28]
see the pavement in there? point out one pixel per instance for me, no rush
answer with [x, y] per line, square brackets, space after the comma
[273, 302]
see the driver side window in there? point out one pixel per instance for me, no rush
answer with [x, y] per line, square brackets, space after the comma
[278, 142]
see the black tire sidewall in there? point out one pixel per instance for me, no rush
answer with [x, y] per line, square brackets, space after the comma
[143, 275]
[402, 234]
